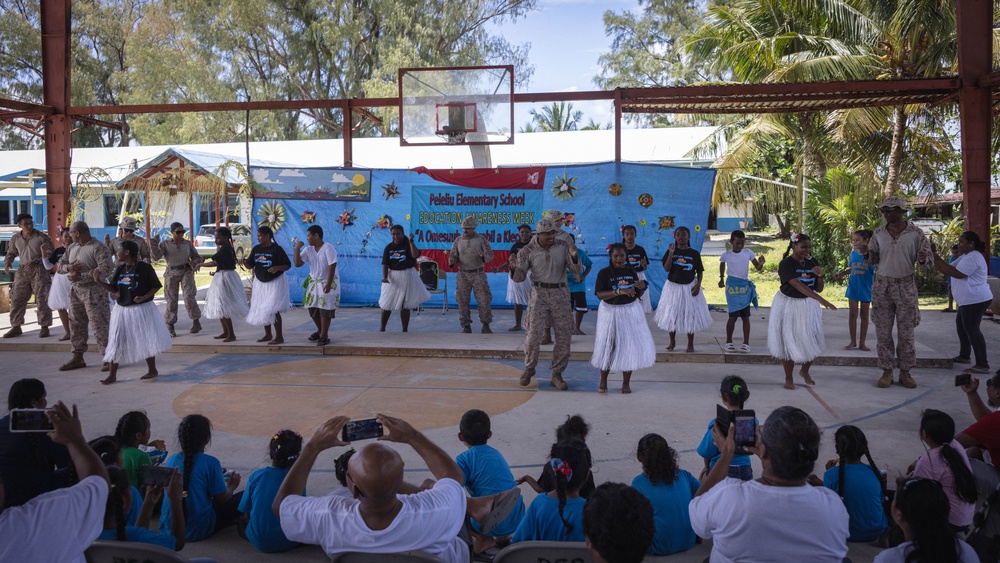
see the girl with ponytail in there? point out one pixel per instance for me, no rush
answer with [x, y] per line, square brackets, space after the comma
[670, 490]
[209, 501]
[734, 394]
[860, 486]
[921, 510]
[946, 463]
[120, 499]
[558, 515]
[262, 527]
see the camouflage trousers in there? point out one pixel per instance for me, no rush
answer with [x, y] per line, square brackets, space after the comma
[30, 278]
[549, 307]
[185, 279]
[468, 282]
[88, 306]
[894, 301]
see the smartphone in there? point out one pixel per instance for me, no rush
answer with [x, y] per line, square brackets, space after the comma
[746, 428]
[30, 420]
[722, 419]
[156, 475]
[364, 429]
[963, 379]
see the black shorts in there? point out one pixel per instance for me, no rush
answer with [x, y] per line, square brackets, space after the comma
[578, 299]
[317, 313]
[743, 313]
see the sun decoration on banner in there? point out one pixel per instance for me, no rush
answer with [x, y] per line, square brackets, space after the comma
[347, 218]
[563, 187]
[271, 215]
[645, 200]
[390, 190]
[615, 189]
[309, 217]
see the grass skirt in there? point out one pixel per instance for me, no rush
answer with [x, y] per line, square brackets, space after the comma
[137, 332]
[226, 297]
[645, 300]
[679, 311]
[623, 341]
[405, 290]
[59, 292]
[795, 329]
[518, 293]
[267, 299]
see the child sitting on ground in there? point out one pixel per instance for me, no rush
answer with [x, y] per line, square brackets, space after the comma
[670, 490]
[947, 463]
[119, 499]
[133, 430]
[558, 515]
[110, 452]
[860, 487]
[574, 428]
[734, 395]
[263, 529]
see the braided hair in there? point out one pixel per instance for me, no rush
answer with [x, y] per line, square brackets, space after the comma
[939, 428]
[284, 448]
[570, 463]
[851, 443]
[193, 433]
[924, 507]
[130, 424]
[225, 232]
[735, 391]
[659, 460]
[115, 506]
[107, 448]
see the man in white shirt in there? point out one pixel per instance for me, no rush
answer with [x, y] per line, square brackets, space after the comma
[378, 517]
[322, 287]
[61, 524]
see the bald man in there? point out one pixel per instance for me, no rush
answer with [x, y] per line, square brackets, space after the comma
[378, 517]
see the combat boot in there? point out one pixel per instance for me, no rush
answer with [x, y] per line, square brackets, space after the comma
[44, 332]
[906, 380]
[196, 326]
[526, 376]
[170, 329]
[16, 331]
[558, 382]
[486, 329]
[886, 379]
[75, 363]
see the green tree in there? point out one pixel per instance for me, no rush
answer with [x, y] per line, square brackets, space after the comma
[556, 117]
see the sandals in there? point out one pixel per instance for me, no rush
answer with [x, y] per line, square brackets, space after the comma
[745, 348]
[729, 347]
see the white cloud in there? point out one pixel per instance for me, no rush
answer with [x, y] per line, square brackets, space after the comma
[261, 177]
[292, 173]
[339, 178]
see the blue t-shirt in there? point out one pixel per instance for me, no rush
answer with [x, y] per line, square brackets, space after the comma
[204, 483]
[141, 535]
[135, 508]
[670, 511]
[862, 498]
[487, 473]
[542, 522]
[584, 263]
[859, 284]
[707, 449]
[264, 529]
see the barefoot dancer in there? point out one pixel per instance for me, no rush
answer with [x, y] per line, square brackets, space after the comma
[226, 297]
[682, 306]
[269, 297]
[402, 289]
[795, 329]
[859, 289]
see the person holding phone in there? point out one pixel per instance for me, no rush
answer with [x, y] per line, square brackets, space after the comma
[734, 395]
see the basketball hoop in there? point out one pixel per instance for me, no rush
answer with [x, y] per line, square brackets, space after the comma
[454, 137]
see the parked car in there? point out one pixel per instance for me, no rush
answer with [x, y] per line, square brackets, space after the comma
[5, 234]
[242, 241]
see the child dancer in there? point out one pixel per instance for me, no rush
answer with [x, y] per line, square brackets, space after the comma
[137, 330]
[61, 286]
[226, 297]
[670, 490]
[740, 291]
[682, 306]
[263, 529]
[578, 289]
[859, 289]
[637, 259]
[947, 463]
[119, 500]
[517, 292]
[859, 485]
[623, 342]
[734, 394]
[209, 501]
[269, 297]
[558, 515]
[795, 329]
[402, 289]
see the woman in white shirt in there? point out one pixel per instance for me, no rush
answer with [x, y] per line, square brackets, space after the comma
[972, 295]
[921, 510]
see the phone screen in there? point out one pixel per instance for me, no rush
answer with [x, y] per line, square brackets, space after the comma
[746, 429]
[30, 420]
[963, 379]
[364, 429]
[157, 476]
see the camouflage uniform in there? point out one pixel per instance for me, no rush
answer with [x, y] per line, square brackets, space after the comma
[88, 301]
[472, 277]
[179, 257]
[144, 255]
[32, 277]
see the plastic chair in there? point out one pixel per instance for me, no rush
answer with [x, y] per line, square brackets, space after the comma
[116, 551]
[436, 282]
[406, 557]
[535, 551]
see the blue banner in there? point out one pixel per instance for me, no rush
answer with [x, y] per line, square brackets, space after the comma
[438, 211]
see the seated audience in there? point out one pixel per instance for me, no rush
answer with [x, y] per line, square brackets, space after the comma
[110, 452]
[133, 430]
[981, 438]
[859, 485]
[618, 524]
[574, 428]
[558, 515]
[734, 395]
[670, 490]
[263, 529]
[742, 517]
[117, 528]
[58, 525]
[946, 463]
[921, 510]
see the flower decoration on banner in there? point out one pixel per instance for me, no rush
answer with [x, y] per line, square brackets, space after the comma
[569, 218]
[697, 228]
[645, 200]
[347, 218]
[407, 216]
[615, 189]
[271, 215]
[563, 187]
[390, 190]
[666, 222]
[642, 222]
[309, 217]
[364, 241]
[384, 222]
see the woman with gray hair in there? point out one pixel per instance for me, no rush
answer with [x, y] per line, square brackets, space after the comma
[778, 517]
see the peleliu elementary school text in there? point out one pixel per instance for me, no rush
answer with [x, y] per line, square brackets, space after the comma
[437, 213]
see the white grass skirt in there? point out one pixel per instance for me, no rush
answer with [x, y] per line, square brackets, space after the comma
[137, 332]
[679, 311]
[226, 297]
[268, 299]
[647, 303]
[795, 329]
[405, 290]
[59, 292]
[623, 341]
[518, 293]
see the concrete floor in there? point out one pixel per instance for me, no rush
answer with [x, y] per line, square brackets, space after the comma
[432, 374]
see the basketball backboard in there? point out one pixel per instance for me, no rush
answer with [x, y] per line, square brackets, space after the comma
[456, 105]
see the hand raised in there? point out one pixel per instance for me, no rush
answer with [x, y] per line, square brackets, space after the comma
[328, 435]
[67, 424]
[397, 429]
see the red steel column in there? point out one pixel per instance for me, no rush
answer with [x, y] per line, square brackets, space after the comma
[348, 136]
[975, 54]
[55, 16]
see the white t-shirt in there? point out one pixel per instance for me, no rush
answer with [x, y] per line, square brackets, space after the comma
[319, 262]
[738, 263]
[750, 521]
[429, 521]
[972, 289]
[55, 526]
[898, 554]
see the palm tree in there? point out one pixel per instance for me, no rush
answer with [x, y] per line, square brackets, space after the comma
[557, 117]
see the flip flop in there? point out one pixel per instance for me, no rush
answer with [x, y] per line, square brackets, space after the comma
[503, 505]
[729, 347]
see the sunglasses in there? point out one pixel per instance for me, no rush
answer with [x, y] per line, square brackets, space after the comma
[886, 209]
[178, 232]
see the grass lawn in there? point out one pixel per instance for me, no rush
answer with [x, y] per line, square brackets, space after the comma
[201, 278]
